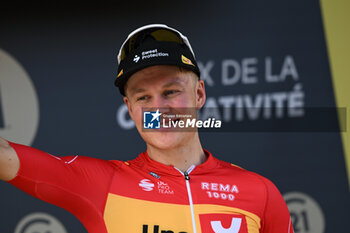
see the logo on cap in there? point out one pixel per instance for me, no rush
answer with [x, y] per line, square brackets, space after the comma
[136, 58]
[186, 60]
[120, 73]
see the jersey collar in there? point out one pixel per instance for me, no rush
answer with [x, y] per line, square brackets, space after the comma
[144, 162]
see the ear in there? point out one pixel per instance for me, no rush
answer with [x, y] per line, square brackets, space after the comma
[200, 94]
[128, 104]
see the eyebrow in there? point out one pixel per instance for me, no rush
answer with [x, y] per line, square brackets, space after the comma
[138, 90]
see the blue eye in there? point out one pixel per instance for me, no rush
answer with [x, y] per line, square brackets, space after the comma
[170, 92]
[141, 98]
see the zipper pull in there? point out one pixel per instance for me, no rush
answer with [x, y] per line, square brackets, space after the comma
[187, 177]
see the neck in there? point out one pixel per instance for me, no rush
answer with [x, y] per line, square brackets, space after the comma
[181, 157]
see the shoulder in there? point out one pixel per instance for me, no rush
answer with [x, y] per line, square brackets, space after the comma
[81, 160]
[250, 177]
[82, 164]
[251, 183]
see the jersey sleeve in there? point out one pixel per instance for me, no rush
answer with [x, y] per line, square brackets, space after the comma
[76, 183]
[276, 214]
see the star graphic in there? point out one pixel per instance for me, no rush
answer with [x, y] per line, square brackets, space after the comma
[156, 115]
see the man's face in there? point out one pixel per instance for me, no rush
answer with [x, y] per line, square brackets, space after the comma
[166, 88]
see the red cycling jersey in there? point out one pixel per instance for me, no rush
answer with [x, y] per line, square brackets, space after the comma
[145, 196]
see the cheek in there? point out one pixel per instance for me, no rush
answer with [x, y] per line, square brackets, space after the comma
[136, 114]
[187, 100]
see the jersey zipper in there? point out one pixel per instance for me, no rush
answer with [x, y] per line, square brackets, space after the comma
[186, 174]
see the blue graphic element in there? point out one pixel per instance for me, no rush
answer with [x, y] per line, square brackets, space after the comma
[151, 120]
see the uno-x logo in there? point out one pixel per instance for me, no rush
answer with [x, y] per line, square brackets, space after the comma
[234, 228]
[222, 223]
[146, 185]
[156, 230]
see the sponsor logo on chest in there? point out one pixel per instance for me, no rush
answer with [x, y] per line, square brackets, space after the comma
[220, 191]
[157, 229]
[160, 186]
[222, 223]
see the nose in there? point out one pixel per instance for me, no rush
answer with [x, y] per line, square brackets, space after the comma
[160, 102]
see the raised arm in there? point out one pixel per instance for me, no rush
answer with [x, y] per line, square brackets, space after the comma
[9, 162]
[78, 184]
